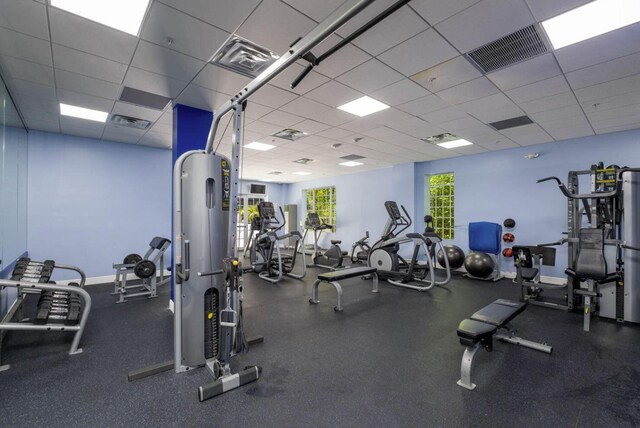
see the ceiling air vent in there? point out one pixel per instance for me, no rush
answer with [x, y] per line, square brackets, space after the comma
[131, 122]
[304, 161]
[244, 57]
[289, 134]
[511, 123]
[276, 173]
[516, 47]
[440, 138]
[352, 157]
[143, 98]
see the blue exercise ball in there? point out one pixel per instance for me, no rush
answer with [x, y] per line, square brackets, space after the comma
[479, 264]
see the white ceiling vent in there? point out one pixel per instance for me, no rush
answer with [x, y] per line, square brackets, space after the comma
[519, 46]
[131, 122]
[304, 161]
[289, 134]
[276, 173]
[244, 57]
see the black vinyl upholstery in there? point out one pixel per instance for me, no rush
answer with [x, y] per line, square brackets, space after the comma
[591, 263]
[528, 274]
[484, 323]
[158, 242]
[338, 275]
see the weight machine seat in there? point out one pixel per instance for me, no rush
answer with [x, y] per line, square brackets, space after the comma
[158, 241]
[336, 242]
[339, 275]
[499, 312]
[528, 274]
[610, 277]
[472, 331]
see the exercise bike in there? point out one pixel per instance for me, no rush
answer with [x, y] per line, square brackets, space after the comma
[392, 267]
[360, 249]
[330, 259]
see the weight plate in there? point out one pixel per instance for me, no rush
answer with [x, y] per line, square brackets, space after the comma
[144, 269]
[132, 259]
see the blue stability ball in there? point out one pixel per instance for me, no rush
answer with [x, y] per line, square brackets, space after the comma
[454, 254]
[479, 264]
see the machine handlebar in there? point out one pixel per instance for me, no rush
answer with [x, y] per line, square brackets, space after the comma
[570, 195]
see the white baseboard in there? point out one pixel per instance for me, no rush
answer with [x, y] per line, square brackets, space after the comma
[544, 279]
[106, 279]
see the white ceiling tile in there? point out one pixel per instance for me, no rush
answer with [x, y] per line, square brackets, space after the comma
[607, 89]
[38, 125]
[84, 100]
[139, 112]
[189, 35]
[305, 107]
[24, 88]
[282, 118]
[619, 128]
[221, 80]
[539, 68]
[155, 83]
[548, 103]
[162, 128]
[603, 72]
[333, 94]
[615, 101]
[81, 132]
[557, 114]
[578, 121]
[360, 125]
[545, 9]
[316, 10]
[423, 105]
[485, 22]
[275, 25]
[334, 133]
[273, 96]
[221, 13]
[605, 47]
[48, 105]
[469, 91]
[492, 108]
[69, 124]
[571, 132]
[25, 16]
[400, 92]
[370, 76]
[263, 128]
[26, 70]
[156, 139]
[435, 11]
[87, 36]
[531, 139]
[470, 150]
[89, 65]
[341, 61]
[544, 88]
[164, 61]
[615, 117]
[416, 127]
[202, 98]
[255, 110]
[40, 115]
[87, 85]
[447, 74]
[122, 134]
[441, 116]
[388, 117]
[394, 29]
[287, 76]
[418, 53]
[462, 123]
[334, 117]
[501, 144]
[25, 47]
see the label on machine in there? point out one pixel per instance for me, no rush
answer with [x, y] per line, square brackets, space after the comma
[605, 180]
[226, 185]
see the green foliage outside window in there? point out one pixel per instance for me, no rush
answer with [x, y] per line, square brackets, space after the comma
[323, 202]
[441, 203]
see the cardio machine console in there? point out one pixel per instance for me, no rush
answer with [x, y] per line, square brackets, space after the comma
[266, 210]
[393, 210]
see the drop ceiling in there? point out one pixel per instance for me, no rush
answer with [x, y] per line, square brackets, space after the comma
[413, 61]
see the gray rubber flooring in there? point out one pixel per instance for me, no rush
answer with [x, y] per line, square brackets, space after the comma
[390, 359]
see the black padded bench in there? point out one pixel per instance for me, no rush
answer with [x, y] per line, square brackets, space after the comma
[482, 327]
[334, 278]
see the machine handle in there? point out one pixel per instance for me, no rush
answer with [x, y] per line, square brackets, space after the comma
[407, 219]
[623, 170]
[215, 272]
[570, 195]
[183, 271]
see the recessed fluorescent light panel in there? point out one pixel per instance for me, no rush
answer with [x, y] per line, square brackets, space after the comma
[350, 163]
[455, 143]
[259, 146]
[83, 113]
[363, 106]
[123, 15]
[301, 173]
[591, 20]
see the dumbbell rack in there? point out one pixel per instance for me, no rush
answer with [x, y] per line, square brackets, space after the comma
[60, 307]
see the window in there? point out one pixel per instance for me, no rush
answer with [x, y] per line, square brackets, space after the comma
[440, 202]
[323, 202]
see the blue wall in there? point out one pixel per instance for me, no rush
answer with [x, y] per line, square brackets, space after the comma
[494, 186]
[92, 202]
[360, 201]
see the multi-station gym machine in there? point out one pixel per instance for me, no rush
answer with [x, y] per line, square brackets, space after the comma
[207, 275]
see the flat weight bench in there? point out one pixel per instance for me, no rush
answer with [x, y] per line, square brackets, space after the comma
[334, 278]
[479, 331]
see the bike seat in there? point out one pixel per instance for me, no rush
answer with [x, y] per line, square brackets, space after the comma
[335, 242]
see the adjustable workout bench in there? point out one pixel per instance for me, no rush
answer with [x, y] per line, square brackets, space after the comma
[479, 331]
[335, 276]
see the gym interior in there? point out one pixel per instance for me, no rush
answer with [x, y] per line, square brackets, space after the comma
[320, 213]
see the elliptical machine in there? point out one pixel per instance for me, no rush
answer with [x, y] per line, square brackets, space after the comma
[267, 258]
[394, 268]
[330, 259]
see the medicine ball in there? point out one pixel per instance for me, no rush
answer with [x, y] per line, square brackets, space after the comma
[507, 252]
[480, 265]
[455, 255]
[508, 237]
[509, 223]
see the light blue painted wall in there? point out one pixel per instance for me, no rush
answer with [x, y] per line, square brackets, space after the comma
[274, 191]
[494, 186]
[360, 200]
[92, 202]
